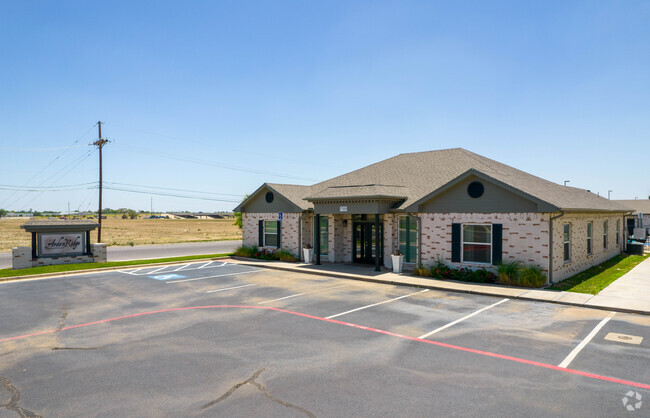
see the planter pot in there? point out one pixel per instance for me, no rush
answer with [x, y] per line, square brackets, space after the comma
[307, 253]
[398, 263]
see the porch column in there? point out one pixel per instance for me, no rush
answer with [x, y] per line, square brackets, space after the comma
[34, 245]
[317, 238]
[377, 244]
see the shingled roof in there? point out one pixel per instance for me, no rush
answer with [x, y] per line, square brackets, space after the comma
[413, 176]
[637, 205]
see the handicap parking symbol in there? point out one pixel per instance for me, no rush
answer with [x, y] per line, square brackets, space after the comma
[167, 277]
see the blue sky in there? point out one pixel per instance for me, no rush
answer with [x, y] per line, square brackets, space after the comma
[214, 98]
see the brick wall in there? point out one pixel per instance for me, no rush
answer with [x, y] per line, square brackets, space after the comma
[525, 236]
[290, 225]
[21, 258]
[580, 260]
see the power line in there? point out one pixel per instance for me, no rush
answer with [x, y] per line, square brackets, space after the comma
[171, 195]
[213, 164]
[221, 142]
[169, 188]
[31, 188]
[72, 166]
[48, 164]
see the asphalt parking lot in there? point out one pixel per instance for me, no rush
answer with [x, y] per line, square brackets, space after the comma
[219, 339]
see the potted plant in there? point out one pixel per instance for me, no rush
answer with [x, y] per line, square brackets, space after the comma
[307, 253]
[398, 261]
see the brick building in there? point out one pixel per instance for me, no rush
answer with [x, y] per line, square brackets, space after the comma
[450, 205]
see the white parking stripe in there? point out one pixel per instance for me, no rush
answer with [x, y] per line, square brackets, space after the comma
[299, 294]
[565, 363]
[181, 267]
[462, 319]
[230, 288]
[375, 304]
[205, 265]
[133, 272]
[211, 277]
[157, 270]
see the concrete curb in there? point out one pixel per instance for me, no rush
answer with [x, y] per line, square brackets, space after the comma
[452, 286]
[104, 269]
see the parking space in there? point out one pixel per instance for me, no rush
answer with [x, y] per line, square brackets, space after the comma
[509, 340]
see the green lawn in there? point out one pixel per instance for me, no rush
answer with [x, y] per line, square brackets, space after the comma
[599, 277]
[89, 266]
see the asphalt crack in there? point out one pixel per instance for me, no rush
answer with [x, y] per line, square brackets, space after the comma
[76, 348]
[12, 405]
[64, 315]
[251, 381]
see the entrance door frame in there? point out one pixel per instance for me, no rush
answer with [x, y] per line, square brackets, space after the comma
[367, 230]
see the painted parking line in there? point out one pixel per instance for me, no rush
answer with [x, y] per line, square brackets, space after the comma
[205, 265]
[212, 277]
[375, 304]
[348, 324]
[230, 288]
[137, 272]
[300, 294]
[565, 363]
[157, 270]
[451, 324]
[133, 272]
[181, 267]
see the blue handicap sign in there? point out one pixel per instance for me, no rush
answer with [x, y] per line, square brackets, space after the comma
[167, 277]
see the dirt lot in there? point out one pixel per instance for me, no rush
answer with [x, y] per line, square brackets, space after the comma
[117, 231]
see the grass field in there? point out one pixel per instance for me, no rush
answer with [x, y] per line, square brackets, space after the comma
[116, 231]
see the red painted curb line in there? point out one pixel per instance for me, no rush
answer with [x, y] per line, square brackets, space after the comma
[334, 321]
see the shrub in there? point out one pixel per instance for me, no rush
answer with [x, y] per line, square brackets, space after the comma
[509, 272]
[422, 271]
[284, 255]
[253, 252]
[480, 276]
[532, 276]
[514, 273]
[245, 251]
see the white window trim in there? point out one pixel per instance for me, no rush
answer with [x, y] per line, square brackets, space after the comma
[590, 239]
[605, 231]
[566, 242]
[462, 245]
[618, 231]
[264, 233]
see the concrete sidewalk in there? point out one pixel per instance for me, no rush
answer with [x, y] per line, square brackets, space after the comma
[634, 292]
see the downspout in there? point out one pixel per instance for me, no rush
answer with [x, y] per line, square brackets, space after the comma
[550, 245]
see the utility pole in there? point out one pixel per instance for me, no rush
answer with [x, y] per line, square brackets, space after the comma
[100, 144]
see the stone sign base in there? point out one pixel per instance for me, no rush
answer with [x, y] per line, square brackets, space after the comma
[22, 257]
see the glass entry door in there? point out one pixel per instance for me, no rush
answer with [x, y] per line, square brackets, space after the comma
[364, 247]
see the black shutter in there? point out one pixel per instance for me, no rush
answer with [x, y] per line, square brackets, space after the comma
[455, 243]
[279, 234]
[497, 243]
[260, 232]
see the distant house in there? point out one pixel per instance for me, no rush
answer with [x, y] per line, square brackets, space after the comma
[640, 214]
[450, 205]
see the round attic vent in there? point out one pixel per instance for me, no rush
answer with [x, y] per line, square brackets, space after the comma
[269, 197]
[475, 189]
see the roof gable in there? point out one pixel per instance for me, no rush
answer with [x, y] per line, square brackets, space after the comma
[285, 198]
[496, 196]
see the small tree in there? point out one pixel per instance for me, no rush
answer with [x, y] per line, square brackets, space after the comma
[131, 213]
[3, 213]
[238, 216]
